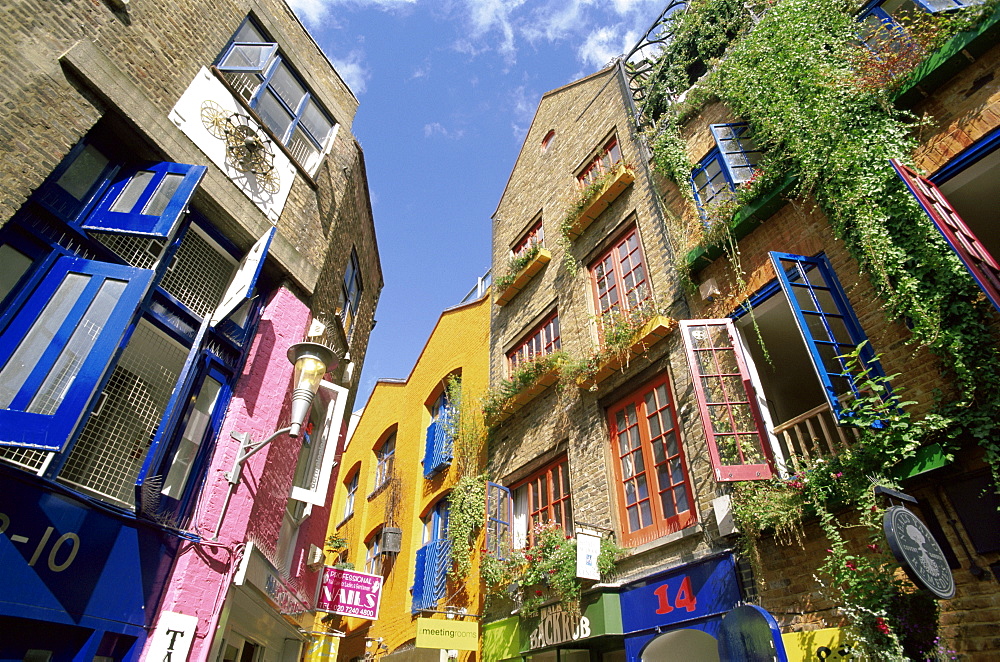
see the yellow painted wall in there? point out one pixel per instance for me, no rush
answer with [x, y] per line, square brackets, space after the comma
[458, 343]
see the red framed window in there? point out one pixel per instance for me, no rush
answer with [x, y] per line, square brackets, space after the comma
[544, 339]
[619, 277]
[533, 237]
[651, 476]
[737, 443]
[545, 499]
[602, 162]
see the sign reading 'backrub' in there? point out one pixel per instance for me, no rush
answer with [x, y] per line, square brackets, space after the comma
[447, 634]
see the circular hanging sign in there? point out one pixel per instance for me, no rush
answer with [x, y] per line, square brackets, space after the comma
[918, 552]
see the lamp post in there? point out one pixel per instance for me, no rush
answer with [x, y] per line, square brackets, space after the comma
[311, 361]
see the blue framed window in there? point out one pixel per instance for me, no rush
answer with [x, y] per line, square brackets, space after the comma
[498, 520]
[254, 66]
[826, 321]
[114, 384]
[384, 458]
[433, 560]
[883, 22]
[352, 492]
[731, 163]
[439, 440]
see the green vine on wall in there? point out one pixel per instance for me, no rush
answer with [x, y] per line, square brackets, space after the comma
[824, 110]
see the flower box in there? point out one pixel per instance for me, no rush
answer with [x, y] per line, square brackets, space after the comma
[524, 276]
[523, 397]
[655, 330]
[620, 177]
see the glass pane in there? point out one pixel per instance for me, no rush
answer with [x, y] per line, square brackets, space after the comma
[667, 503]
[670, 441]
[194, 433]
[132, 191]
[248, 32]
[164, 192]
[630, 493]
[633, 519]
[38, 337]
[13, 265]
[681, 495]
[75, 352]
[628, 469]
[283, 82]
[316, 122]
[646, 513]
[78, 179]
[274, 114]
[248, 56]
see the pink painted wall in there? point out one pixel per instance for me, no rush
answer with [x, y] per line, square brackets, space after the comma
[259, 406]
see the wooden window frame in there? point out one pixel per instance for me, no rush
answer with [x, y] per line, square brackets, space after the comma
[606, 158]
[547, 335]
[660, 524]
[542, 513]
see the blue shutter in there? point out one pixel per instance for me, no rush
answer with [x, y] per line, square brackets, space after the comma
[438, 449]
[429, 449]
[498, 516]
[825, 320]
[147, 201]
[58, 345]
[418, 580]
[245, 279]
[442, 562]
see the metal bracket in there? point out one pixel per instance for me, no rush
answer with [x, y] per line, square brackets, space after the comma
[247, 449]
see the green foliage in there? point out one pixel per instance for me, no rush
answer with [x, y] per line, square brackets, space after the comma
[514, 266]
[578, 205]
[525, 375]
[465, 517]
[546, 569]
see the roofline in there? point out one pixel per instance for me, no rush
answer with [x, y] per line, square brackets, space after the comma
[557, 90]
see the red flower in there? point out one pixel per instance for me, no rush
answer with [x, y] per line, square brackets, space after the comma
[537, 592]
[850, 564]
[873, 547]
[880, 624]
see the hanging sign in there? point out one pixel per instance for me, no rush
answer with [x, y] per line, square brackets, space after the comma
[350, 593]
[588, 549]
[447, 634]
[918, 552]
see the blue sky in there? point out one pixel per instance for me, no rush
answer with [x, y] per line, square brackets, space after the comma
[447, 90]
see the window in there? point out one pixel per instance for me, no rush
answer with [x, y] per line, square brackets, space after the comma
[350, 293]
[973, 235]
[352, 491]
[760, 409]
[440, 433]
[498, 520]
[374, 555]
[430, 577]
[619, 277]
[319, 445]
[533, 237]
[731, 163]
[542, 499]
[887, 25]
[605, 159]
[652, 485]
[256, 69]
[384, 457]
[543, 340]
[74, 406]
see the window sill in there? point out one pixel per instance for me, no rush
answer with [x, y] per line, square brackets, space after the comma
[378, 490]
[693, 530]
[655, 330]
[523, 277]
[600, 200]
[345, 520]
[521, 399]
[747, 218]
[952, 57]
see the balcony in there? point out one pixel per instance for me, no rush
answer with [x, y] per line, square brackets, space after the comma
[520, 279]
[814, 434]
[652, 332]
[596, 198]
[438, 446]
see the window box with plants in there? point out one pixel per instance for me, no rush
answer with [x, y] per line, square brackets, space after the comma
[595, 198]
[520, 270]
[527, 381]
[625, 336]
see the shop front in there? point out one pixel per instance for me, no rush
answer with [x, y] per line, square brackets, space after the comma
[560, 635]
[677, 613]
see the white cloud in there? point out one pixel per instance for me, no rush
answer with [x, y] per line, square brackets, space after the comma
[438, 129]
[312, 12]
[353, 71]
[605, 44]
[487, 16]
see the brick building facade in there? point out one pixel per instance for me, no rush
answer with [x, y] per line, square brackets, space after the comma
[180, 182]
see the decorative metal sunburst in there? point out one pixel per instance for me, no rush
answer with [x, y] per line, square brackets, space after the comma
[249, 150]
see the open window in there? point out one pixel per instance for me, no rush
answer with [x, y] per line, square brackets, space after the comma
[770, 385]
[972, 232]
[498, 520]
[542, 499]
[319, 445]
[732, 162]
